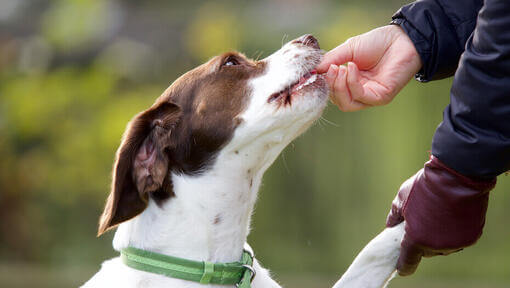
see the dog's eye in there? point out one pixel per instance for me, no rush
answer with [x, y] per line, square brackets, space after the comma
[231, 61]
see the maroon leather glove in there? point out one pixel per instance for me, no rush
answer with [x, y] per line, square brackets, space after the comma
[444, 212]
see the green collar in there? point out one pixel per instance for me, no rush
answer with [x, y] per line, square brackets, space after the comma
[236, 273]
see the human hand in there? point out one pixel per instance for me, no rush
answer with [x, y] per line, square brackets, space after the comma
[443, 210]
[382, 63]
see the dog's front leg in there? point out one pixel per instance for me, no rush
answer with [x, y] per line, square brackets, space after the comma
[263, 278]
[376, 264]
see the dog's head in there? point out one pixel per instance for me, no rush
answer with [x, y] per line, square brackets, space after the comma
[229, 103]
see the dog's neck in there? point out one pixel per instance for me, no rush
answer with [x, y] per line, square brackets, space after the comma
[209, 217]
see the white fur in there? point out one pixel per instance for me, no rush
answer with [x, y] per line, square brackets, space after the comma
[376, 264]
[184, 226]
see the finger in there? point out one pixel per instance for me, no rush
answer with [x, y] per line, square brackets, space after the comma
[331, 75]
[410, 257]
[338, 56]
[432, 253]
[353, 83]
[330, 80]
[395, 216]
[343, 95]
[369, 93]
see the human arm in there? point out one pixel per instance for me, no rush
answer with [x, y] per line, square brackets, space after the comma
[430, 40]
[439, 30]
[444, 204]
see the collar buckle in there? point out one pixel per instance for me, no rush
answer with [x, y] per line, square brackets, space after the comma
[252, 271]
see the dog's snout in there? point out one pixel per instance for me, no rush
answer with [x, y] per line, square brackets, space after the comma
[307, 40]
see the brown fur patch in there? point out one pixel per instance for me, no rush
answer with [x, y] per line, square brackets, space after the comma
[188, 124]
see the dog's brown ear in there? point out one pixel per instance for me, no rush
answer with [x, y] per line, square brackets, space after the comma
[141, 165]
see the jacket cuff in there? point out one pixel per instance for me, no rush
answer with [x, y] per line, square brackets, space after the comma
[438, 29]
[420, 43]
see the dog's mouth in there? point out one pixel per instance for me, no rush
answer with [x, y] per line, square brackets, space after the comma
[285, 96]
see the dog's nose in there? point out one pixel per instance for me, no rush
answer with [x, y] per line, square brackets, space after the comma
[308, 40]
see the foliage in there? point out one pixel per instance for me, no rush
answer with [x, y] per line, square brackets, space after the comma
[84, 68]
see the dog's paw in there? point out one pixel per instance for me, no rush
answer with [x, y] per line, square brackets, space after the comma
[376, 264]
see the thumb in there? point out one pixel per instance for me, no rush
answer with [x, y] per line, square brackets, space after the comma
[410, 257]
[395, 216]
[338, 56]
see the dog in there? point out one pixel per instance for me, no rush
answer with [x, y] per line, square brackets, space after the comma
[188, 169]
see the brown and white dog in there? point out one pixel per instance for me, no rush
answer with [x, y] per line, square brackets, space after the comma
[188, 169]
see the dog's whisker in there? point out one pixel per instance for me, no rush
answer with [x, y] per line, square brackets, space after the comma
[285, 163]
[259, 55]
[320, 124]
[328, 121]
[284, 38]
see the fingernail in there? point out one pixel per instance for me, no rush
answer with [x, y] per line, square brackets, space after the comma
[332, 71]
[341, 71]
[350, 66]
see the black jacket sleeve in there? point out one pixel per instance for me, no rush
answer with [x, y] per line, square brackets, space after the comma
[474, 137]
[439, 30]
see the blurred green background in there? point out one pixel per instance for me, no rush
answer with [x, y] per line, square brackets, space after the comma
[73, 72]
